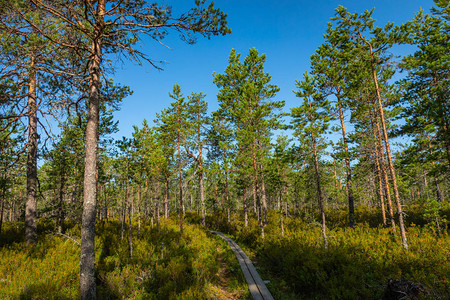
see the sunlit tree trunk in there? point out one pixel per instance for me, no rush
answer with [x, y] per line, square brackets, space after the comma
[351, 202]
[388, 153]
[30, 209]
[319, 191]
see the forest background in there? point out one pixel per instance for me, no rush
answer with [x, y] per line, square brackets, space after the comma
[340, 128]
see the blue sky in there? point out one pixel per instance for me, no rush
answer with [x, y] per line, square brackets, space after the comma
[287, 31]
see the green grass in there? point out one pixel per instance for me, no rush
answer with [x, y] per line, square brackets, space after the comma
[198, 265]
[165, 265]
[357, 264]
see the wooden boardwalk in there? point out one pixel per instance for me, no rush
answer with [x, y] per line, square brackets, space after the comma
[256, 286]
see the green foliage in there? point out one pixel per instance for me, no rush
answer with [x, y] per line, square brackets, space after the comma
[165, 265]
[356, 265]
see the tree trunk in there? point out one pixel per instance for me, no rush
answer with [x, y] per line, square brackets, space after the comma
[2, 207]
[281, 215]
[257, 197]
[244, 200]
[255, 211]
[124, 207]
[389, 157]
[380, 187]
[30, 210]
[351, 203]
[180, 180]
[227, 196]
[139, 211]
[319, 192]
[166, 198]
[264, 200]
[202, 196]
[436, 183]
[60, 204]
[130, 234]
[87, 258]
[384, 178]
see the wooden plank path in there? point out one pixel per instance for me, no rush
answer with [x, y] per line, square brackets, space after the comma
[256, 285]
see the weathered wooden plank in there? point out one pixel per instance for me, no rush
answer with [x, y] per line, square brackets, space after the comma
[256, 285]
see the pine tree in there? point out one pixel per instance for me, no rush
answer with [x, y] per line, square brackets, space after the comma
[371, 44]
[247, 105]
[310, 121]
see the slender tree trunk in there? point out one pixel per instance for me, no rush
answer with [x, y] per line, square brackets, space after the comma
[124, 208]
[139, 211]
[389, 157]
[380, 187]
[130, 236]
[335, 177]
[30, 210]
[244, 200]
[87, 257]
[257, 197]
[385, 179]
[264, 200]
[263, 189]
[60, 204]
[351, 203]
[281, 216]
[436, 183]
[227, 196]
[319, 192]
[202, 196]
[180, 180]
[2, 207]
[254, 199]
[166, 198]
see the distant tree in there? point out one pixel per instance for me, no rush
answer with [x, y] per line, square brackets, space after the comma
[173, 122]
[11, 158]
[427, 85]
[111, 26]
[246, 104]
[330, 65]
[371, 45]
[197, 121]
[310, 121]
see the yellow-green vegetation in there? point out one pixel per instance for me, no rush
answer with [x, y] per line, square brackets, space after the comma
[357, 264]
[165, 265]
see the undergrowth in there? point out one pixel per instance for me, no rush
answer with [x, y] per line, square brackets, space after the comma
[165, 264]
[357, 264]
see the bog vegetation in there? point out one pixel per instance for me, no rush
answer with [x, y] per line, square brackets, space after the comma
[131, 218]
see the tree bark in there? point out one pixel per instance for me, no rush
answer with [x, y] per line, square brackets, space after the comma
[2, 207]
[281, 215]
[61, 203]
[180, 179]
[319, 192]
[166, 198]
[87, 260]
[227, 196]
[202, 196]
[30, 210]
[351, 202]
[257, 197]
[388, 154]
[384, 178]
[244, 200]
[380, 187]
[436, 183]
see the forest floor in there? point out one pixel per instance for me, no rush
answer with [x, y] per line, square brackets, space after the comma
[164, 265]
[360, 263]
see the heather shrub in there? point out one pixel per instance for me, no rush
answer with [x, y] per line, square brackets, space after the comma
[357, 263]
[164, 264]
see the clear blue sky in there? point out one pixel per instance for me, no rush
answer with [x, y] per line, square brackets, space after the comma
[287, 31]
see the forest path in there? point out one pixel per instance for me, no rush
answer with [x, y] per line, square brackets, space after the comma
[256, 285]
